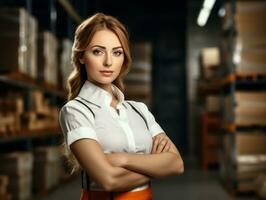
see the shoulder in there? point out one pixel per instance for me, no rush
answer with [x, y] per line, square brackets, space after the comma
[138, 105]
[74, 109]
[69, 106]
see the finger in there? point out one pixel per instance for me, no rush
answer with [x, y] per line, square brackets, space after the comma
[166, 148]
[154, 145]
[161, 146]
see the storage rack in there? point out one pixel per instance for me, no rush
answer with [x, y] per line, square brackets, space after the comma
[233, 82]
[28, 140]
[210, 120]
[21, 82]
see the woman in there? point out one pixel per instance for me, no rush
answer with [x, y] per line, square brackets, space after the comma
[117, 143]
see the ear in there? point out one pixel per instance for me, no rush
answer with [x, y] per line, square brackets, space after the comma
[81, 60]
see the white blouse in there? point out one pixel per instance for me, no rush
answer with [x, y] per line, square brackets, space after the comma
[91, 116]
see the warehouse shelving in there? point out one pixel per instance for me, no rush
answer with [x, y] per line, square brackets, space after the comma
[30, 140]
[235, 82]
[30, 134]
[20, 80]
[234, 78]
[210, 117]
[210, 142]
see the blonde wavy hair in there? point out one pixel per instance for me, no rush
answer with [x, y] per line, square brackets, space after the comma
[83, 37]
[78, 76]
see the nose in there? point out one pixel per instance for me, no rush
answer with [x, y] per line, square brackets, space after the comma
[108, 60]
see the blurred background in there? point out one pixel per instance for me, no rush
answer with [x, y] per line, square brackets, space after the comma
[199, 65]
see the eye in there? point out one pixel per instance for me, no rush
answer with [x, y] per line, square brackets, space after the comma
[97, 52]
[118, 53]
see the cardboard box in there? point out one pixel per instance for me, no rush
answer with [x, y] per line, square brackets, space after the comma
[18, 167]
[210, 57]
[21, 187]
[16, 163]
[65, 61]
[47, 57]
[47, 168]
[250, 108]
[247, 18]
[32, 46]
[249, 15]
[4, 180]
[213, 103]
[250, 143]
[252, 61]
[13, 39]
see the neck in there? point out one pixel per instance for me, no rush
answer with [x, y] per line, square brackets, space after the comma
[108, 88]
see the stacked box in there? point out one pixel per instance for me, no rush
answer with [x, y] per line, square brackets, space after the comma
[4, 181]
[32, 46]
[42, 115]
[138, 81]
[213, 103]
[251, 155]
[18, 167]
[248, 109]
[65, 61]
[249, 55]
[10, 115]
[47, 168]
[260, 185]
[209, 63]
[18, 33]
[47, 58]
[13, 39]
[244, 158]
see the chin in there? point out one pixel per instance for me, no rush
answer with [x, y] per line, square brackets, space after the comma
[106, 81]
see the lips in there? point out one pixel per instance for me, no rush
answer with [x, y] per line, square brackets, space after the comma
[107, 72]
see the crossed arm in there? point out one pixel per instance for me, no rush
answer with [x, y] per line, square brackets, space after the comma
[123, 171]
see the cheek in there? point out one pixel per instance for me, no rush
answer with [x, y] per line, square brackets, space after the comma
[92, 64]
[119, 62]
[92, 61]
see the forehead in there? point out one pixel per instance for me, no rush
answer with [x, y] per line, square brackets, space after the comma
[105, 38]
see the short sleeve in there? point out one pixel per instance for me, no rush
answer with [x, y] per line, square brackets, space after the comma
[76, 124]
[154, 127]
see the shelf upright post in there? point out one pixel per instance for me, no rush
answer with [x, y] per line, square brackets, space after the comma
[29, 6]
[53, 16]
[28, 101]
[232, 41]
[232, 85]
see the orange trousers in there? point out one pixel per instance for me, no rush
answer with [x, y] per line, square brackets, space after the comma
[145, 194]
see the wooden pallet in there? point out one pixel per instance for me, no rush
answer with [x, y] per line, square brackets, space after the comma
[231, 127]
[250, 76]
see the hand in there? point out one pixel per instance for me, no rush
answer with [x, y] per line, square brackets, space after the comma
[172, 148]
[117, 159]
[160, 144]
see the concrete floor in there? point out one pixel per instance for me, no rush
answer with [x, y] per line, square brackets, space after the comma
[194, 184]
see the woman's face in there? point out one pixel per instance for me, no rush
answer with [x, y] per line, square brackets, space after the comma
[103, 57]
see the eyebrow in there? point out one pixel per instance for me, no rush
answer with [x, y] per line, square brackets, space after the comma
[105, 47]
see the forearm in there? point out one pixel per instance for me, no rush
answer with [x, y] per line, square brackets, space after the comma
[154, 165]
[124, 179]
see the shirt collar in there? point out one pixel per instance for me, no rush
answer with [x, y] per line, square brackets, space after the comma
[98, 96]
